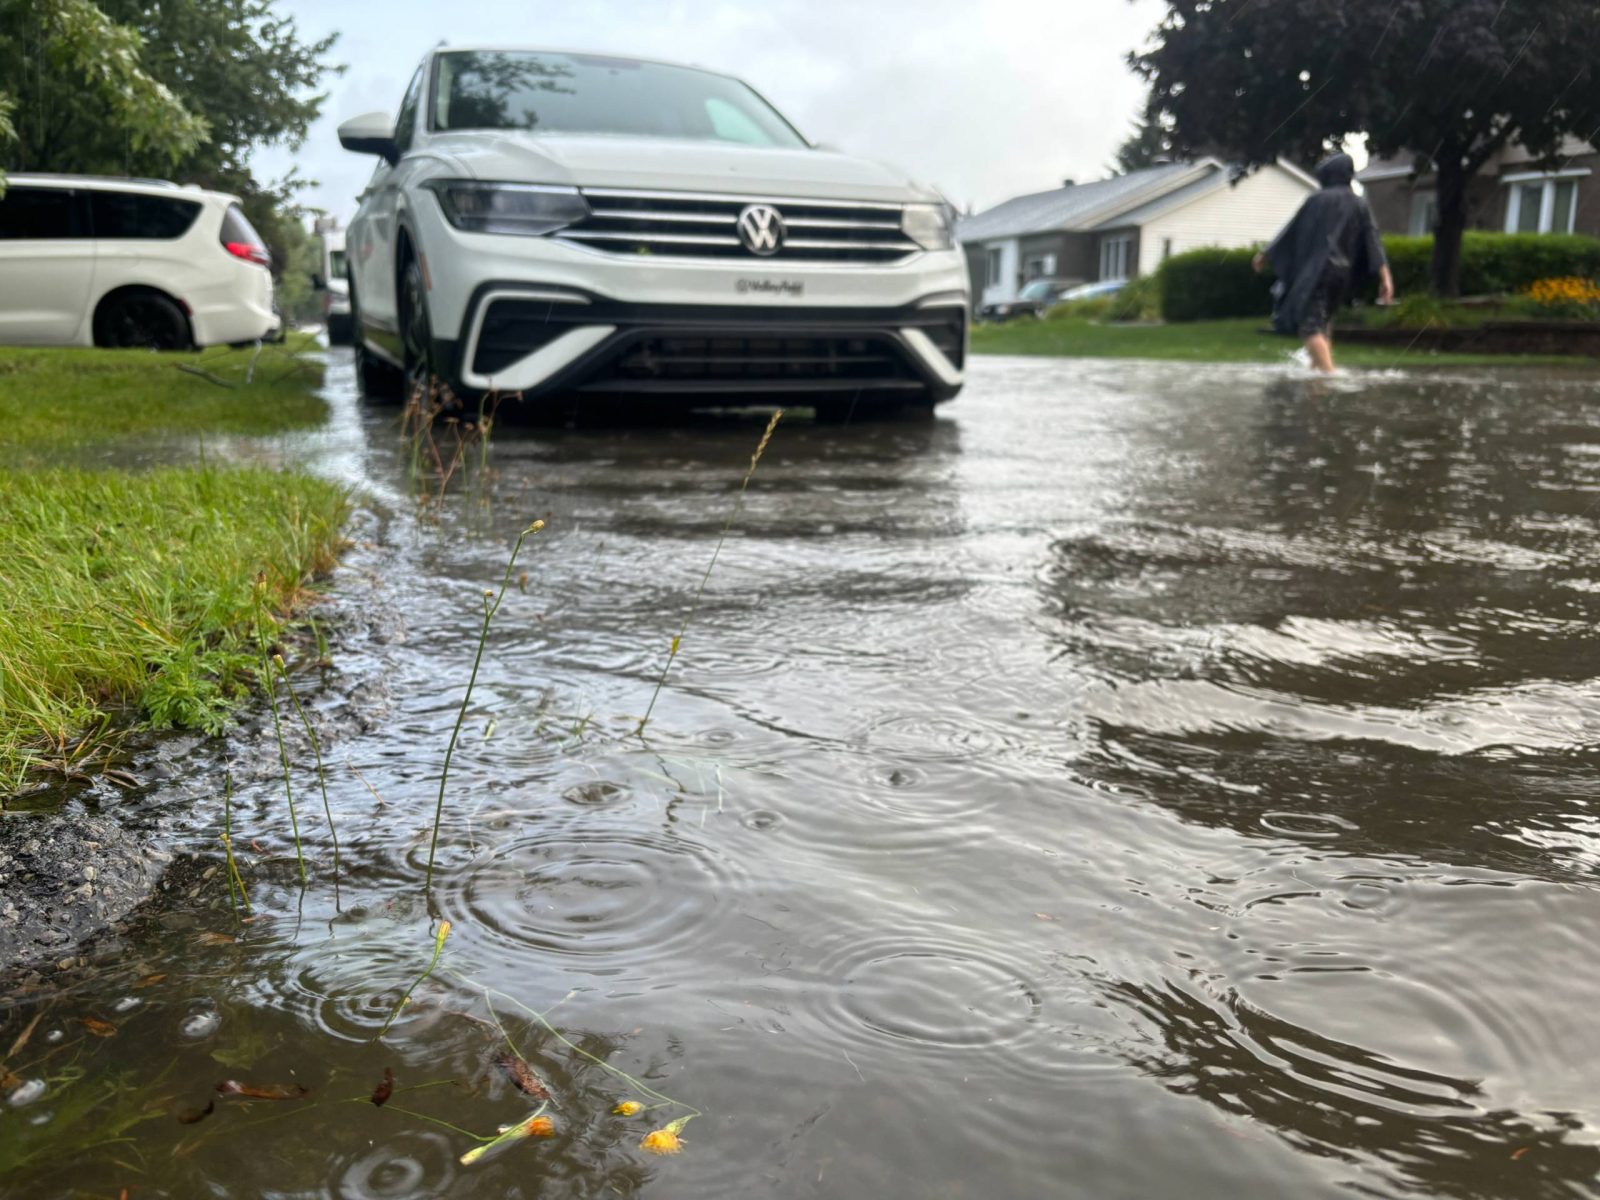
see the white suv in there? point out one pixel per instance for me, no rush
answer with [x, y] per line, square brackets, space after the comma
[560, 224]
[89, 261]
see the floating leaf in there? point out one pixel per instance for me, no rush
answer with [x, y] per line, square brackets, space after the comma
[537, 1125]
[150, 980]
[522, 1077]
[261, 1091]
[193, 1116]
[381, 1093]
[215, 939]
[98, 1027]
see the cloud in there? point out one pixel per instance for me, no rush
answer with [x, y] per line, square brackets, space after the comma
[984, 98]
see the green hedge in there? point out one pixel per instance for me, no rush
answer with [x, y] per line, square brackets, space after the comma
[1494, 264]
[1213, 283]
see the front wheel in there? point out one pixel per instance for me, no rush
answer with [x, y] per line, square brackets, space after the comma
[416, 337]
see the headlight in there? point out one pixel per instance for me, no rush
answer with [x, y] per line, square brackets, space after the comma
[522, 208]
[930, 226]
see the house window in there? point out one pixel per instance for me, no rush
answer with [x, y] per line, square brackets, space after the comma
[993, 258]
[1115, 253]
[1041, 266]
[1424, 213]
[1166, 249]
[1542, 204]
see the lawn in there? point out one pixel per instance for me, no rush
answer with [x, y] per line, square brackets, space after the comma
[133, 597]
[53, 399]
[1239, 340]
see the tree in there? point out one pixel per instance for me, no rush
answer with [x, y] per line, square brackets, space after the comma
[74, 41]
[236, 65]
[1147, 146]
[1450, 82]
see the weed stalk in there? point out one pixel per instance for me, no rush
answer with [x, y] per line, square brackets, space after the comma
[438, 949]
[236, 890]
[316, 750]
[277, 729]
[694, 608]
[491, 605]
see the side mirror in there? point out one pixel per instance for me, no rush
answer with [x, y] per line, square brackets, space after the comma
[371, 133]
[318, 283]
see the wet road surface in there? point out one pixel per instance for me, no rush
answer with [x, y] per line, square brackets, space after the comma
[1142, 780]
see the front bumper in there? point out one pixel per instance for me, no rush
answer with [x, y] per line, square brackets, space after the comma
[543, 341]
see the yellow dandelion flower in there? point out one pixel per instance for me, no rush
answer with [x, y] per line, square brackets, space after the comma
[628, 1108]
[662, 1141]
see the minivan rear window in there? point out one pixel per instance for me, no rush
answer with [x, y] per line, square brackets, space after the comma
[27, 212]
[132, 215]
[236, 227]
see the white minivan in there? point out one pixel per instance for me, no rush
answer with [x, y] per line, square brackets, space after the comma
[89, 261]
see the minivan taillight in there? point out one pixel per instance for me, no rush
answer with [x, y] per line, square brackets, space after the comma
[250, 252]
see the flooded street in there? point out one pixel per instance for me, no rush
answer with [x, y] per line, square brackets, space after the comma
[1142, 780]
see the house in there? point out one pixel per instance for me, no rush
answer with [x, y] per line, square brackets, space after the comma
[1124, 226]
[1510, 194]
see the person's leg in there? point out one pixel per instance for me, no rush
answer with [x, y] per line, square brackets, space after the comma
[1320, 347]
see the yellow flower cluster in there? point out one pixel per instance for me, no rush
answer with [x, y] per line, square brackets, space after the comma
[1566, 289]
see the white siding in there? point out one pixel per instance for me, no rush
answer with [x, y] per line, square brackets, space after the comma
[1006, 290]
[1251, 211]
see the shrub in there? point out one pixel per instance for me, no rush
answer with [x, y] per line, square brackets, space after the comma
[1138, 300]
[1095, 308]
[1495, 264]
[1212, 283]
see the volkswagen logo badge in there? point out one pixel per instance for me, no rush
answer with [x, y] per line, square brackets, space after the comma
[761, 229]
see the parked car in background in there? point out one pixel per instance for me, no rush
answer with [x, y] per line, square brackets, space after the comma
[89, 261]
[559, 224]
[333, 284]
[1092, 291]
[1036, 296]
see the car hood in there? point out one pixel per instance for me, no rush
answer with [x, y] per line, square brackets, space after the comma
[673, 164]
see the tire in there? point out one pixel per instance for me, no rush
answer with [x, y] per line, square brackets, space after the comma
[416, 334]
[141, 320]
[375, 379]
[339, 330]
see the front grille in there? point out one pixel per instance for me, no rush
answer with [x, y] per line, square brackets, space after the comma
[703, 225]
[674, 362]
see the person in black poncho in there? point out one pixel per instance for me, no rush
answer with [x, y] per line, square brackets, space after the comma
[1329, 250]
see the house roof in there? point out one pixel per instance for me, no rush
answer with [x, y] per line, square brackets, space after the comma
[1085, 205]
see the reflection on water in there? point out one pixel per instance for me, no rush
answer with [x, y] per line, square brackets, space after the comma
[1141, 780]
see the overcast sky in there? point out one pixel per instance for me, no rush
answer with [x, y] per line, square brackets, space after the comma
[986, 99]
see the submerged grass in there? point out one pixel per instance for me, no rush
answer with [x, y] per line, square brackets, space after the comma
[56, 399]
[1231, 341]
[128, 594]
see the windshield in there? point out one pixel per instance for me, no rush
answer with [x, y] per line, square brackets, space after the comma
[581, 93]
[1039, 289]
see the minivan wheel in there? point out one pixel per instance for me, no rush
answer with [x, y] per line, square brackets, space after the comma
[141, 320]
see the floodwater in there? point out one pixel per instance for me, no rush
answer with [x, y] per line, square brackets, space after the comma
[1143, 780]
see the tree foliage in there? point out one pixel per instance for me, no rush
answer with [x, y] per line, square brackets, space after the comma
[199, 83]
[1148, 145]
[74, 41]
[1450, 82]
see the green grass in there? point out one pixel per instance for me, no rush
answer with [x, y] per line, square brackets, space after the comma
[56, 399]
[136, 594]
[1232, 341]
